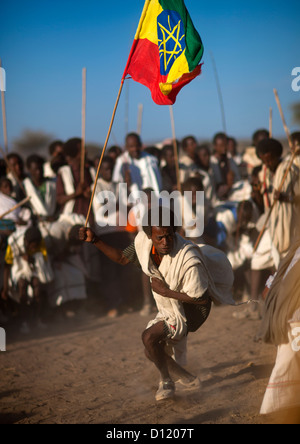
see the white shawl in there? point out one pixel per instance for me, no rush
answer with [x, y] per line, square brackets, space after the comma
[41, 207]
[181, 270]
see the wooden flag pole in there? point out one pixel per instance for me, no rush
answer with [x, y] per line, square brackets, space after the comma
[103, 151]
[175, 145]
[219, 92]
[83, 125]
[140, 119]
[4, 118]
[296, 153]
[147, 3]
[271, 123]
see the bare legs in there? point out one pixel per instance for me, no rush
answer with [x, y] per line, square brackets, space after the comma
[154, 339]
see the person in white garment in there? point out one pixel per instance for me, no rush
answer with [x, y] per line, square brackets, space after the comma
[185, 279]
[136, 167]
[281, 327]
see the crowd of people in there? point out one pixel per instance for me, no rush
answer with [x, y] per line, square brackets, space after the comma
[46, 271]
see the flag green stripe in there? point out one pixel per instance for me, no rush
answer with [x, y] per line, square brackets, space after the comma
[194, 45]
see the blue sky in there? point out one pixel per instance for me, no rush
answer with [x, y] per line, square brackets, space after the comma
[45, 44]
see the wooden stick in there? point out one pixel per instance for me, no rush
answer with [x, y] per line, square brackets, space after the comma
[287, 132]
[83, 125]
[219, 92]
[4, 118]
[146, 6]
[140, 119]
[271, 123]
[103, 151]
[175, 149]
[20, 204]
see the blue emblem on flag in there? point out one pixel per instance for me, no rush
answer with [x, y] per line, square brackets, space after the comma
[171, 39]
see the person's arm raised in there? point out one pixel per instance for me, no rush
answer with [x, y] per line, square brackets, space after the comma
[114, 254]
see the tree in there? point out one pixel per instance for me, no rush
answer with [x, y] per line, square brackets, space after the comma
[32, 142]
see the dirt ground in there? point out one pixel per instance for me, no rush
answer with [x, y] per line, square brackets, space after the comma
[93, 370]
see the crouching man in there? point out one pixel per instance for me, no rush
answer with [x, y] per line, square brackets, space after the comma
[183, 289]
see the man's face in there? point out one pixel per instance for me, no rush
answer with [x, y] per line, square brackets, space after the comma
[16, 166]
[270, 161]
[204, 157]
[36, 172]
[163, 239]
[31, 247]
[170, 158]
[58, 151]
[6, 188]
[191, 146]
[106, 171]
[133, 147]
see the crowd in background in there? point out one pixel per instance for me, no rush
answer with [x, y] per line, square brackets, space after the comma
[46, 273]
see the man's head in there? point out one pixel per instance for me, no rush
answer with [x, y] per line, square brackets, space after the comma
[259, 135]
[220, 143]
[245, 213]
[203, 153]
[56, 148]
[189, 145]
[296, 141]
[194, 185]
[35, 167]
[32, 240]
[106, 169]
[133, 145]
[16, 164]
[114, 152]
[270, 152]
[6, 186]
[72, 151]
[232, 146]
[168, 155]
[160, 226]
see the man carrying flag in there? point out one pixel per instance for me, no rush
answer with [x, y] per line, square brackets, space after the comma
[167, 50]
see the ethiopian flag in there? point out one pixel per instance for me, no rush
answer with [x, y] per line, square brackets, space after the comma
[167, 50]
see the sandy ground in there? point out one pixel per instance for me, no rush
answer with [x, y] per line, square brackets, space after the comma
[92, 370]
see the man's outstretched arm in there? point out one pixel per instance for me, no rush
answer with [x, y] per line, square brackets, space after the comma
[114, 254]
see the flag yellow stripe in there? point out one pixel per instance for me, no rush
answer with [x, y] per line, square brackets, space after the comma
[149, 27]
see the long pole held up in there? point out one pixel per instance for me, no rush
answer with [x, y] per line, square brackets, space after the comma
[147, 3]
[287, 131]
[271, 122]
[175, 145]
[219, 92]
[83, 125]
[4, 117]
[295, 153]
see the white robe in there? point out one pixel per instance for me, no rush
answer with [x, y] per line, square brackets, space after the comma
[144, 171]
[21, 269]
[41, 207]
